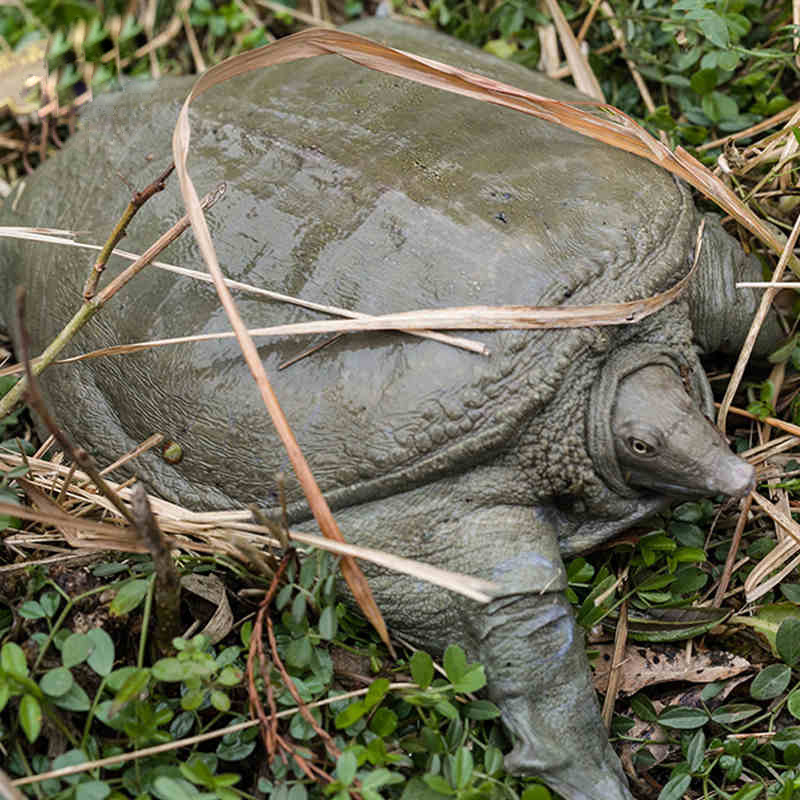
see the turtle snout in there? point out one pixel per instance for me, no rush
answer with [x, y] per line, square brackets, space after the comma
[734, 477]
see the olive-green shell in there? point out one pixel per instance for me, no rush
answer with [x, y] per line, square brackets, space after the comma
[361, 190]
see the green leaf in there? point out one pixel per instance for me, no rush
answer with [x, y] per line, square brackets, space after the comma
[481, 709]
[461, 767]
[696, 751]
[787, 641]
[579, 570]
[350, 715]
[675, 788]
[643, 708]
[75, 699]
[768, 620]
[683, 718]
[421, 669]
[170, 669]
[455, 663]
[791, 591]
[383, 722]
[734, 712]
[728, 60]
[346, 766]
[92, 790]
[116, 680]
[76, 649]
[473, 680]
[686, 59]
[702, 82]
[299, 608]
[5, 692]
[50, 602]
[298, 653]
[220, 700]
[297, 792]
[376, 692]
[713, 27]
[168, 788]
[590, 613]
[719, 107]
[135, 683]
[230, 676]
[129, 596]
[749, 792]
[12, 660]
[328, 623]
[793, 704]
[492, 760]
[771, 681]
[197, 771]
[30, 717]
[537, 792]
[56, 682]
[446, 709]
[31, 609]
[101, 656]
[193, 699]
[438, 784]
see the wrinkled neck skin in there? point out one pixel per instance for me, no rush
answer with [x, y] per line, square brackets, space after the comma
[722, 314]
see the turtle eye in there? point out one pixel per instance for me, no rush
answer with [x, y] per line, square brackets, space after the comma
[639, 447]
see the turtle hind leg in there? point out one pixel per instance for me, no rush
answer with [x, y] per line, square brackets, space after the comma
[539, 677]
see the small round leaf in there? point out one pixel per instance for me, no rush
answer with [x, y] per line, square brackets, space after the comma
[771, 681]
[56, 682]
[683, 718]
[30, 717]
[76, 649]
[101, 655]
[787, 641]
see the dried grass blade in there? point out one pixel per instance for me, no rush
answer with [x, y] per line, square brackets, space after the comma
[36, 234]
[582, 73]
[474, 588]
[752, 334]
[784, 520]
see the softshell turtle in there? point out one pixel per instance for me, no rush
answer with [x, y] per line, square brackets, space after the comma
[362, 190]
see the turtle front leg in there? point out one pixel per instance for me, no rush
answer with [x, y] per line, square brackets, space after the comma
[539, 677]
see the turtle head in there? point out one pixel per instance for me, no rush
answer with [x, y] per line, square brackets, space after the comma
[665, 444]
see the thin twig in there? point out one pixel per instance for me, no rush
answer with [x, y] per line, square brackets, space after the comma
[615, 673]
[136, 202]
[168, 582]
[727, 572]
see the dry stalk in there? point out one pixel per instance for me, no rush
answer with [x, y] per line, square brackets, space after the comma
[615, 673]
[120, 229]
[730, 560]
[168, 583]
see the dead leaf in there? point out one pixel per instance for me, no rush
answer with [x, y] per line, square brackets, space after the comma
[211, 588]
[645, 666]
